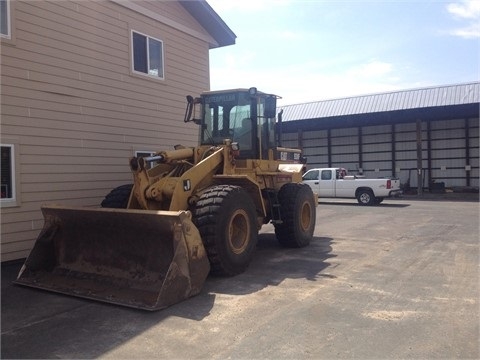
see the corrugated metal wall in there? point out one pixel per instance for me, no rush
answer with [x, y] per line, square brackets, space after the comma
[406, 152]
[384, 150]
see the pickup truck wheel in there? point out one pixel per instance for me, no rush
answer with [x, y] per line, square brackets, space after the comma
[118, 197]
[366, 197]
[297, 208]
[378, 200]
[225, 216]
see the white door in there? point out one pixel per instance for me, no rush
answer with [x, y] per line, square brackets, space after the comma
[327, 183]
[311, 179]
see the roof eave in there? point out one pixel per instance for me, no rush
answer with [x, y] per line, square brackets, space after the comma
[210, 21]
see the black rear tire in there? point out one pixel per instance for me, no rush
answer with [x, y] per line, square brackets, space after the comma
[225, 216]
[378, 200]
[365, 197]
[118, 197]
[297, 207]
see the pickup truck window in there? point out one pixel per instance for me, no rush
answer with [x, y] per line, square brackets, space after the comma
[326, 175]
[311, 175]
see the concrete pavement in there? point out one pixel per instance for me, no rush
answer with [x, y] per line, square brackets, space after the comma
[400, 280]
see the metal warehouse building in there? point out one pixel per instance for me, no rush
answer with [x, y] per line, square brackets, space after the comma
[434, 129]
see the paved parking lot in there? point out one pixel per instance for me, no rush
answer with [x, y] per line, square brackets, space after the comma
[400, 280]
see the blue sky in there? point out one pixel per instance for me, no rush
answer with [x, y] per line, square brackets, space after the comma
[305, 50]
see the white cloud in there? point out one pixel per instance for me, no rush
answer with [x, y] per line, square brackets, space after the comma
[311, 81]
[234, 61]
[468, 10]
[468, 32]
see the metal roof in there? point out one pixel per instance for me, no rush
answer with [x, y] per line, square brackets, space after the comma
[459, 94]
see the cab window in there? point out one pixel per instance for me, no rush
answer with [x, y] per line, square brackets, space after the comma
[311, 175]
[326, 175]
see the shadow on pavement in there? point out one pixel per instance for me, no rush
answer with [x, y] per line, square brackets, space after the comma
[273, 264]
[41, 324]
[382, 205]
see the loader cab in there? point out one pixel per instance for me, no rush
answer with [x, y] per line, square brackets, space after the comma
[245, 116]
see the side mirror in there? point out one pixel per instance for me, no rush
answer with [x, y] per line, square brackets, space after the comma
[270, 107]
[279, 128]
[190, 111]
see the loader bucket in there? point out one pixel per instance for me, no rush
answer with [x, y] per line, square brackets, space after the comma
[137, 258]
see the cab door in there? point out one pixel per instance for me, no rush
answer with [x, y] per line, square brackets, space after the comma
[311, 178]
[327, 183]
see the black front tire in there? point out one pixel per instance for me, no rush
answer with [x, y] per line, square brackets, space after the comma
[225, 216]
[118, 197]
[297, 208]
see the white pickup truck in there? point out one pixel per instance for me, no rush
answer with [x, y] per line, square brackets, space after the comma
[336, 183]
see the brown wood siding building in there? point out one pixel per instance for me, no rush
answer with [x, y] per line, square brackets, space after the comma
[73, 110]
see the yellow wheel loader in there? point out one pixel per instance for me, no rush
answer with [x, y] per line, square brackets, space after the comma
[189, 212]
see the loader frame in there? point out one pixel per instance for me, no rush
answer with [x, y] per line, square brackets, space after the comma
[190, 211]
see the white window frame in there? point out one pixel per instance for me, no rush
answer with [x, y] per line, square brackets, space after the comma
[8, 35]
[11, 201]
[147, 74]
